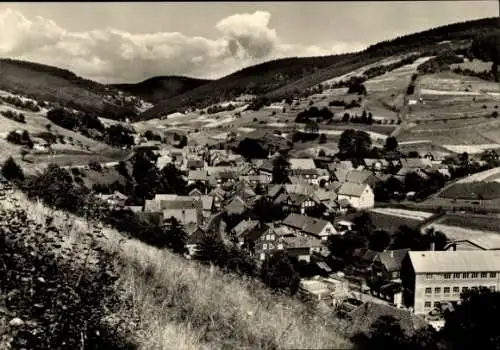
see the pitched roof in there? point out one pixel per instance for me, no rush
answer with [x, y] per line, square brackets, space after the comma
[274, 190]
[341, 174]
[207, 202]
[198, 175]
[195, 192]
[364, 316]
[352, 189]
[324, 195]
[305, 223]
[302, 163]
[302, 242]
[391, 259]
[236, 206]
[455, 261]
[198, 163]
[358, 176]
[267, 165]
[245, 226]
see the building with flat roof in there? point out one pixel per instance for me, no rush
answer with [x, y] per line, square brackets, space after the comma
[434, 278]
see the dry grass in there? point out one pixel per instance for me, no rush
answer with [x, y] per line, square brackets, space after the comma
[183, 305]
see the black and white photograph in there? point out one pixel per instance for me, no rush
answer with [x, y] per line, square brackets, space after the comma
[250, 175]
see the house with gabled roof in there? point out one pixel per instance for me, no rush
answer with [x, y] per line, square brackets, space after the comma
[360, 196]
[302, 163]
[219, 196]
[387, 264]
[237, 206]
[361, 177]
[197, 176]
[305, 225]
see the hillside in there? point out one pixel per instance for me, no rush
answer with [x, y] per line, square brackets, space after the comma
[280, 78]
[170, 303]
[58, 86]
[160, 88]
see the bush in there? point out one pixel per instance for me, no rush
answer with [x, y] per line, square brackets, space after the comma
[12, 171]
[60, 303]
[94, 165]
[278, 273]
[23, 139]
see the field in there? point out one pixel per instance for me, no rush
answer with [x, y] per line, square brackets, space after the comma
[472, 191]
[474, 65]
[488, 223]
[403, 213]
[178, 304]
[389, 220]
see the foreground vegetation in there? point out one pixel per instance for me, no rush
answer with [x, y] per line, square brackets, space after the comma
[175, 303]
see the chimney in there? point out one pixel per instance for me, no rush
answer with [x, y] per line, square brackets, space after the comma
[432, 246]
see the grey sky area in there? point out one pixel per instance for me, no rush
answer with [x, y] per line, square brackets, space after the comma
[128, 42]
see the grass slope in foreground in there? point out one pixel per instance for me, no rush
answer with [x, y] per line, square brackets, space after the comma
[179, 304]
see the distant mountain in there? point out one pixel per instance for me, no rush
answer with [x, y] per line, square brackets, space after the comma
[281, 78]
[62, 87]
[160, 88]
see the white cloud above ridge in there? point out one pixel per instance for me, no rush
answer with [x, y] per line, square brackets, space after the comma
[110, 55]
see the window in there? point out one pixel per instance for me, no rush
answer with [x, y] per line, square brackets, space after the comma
[437, 304]
[280, 246]
[484, 275]
[428, 276]
[493, 274]
[428, 290]
[465, 289]
[264, 246]
[438, 276]
[437, 290]
[465, 275]
[446, 290]
[456, 275]
[271, 237]
[456, 290]
[427, 304]
[492, 288]
[474, 275]
[447, 276]
[271, 246]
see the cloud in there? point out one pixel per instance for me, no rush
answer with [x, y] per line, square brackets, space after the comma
[111, 55]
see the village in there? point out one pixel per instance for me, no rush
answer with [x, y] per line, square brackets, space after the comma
[320, 199]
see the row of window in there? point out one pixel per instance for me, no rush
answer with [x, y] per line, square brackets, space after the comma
[427, 304]
[446, 290]
[464, 275]
[270, 246]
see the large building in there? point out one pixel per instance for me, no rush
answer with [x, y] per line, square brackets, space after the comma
[434, 278]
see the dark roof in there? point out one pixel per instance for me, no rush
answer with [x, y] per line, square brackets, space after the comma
[305, 223]
[198, 163]
[364, 316]
[391, 259]
[358, 176]
[236, 206]
[267, 165]
[352, 189]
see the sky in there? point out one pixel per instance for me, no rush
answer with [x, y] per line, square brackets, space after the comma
[129, 42]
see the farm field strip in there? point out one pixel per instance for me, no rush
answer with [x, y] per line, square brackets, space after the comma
[445, 92]
[414, 142]
[482, 176]
[471, 149]
[483, 238]
[404, 213]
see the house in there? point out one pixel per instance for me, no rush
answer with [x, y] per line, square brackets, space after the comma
[306, 175]
[302, 163]
[195, 176]
[219, 195]
[266, 168]
[362, 318]
[375, 164]
[434, 278]
[364, 258]
[303, 247]
[195, 164]
[361, 177]
[360, 196]
[387, 264]
[207, 206]
[241, 230]
[343, 226]
[195, 193]
[236, 206]
[309, 226]
[254, 180]
[185, 209]
[299, 203]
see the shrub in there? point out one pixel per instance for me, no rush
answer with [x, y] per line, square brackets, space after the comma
[12, 171]
[60, 297]
[94, 165]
